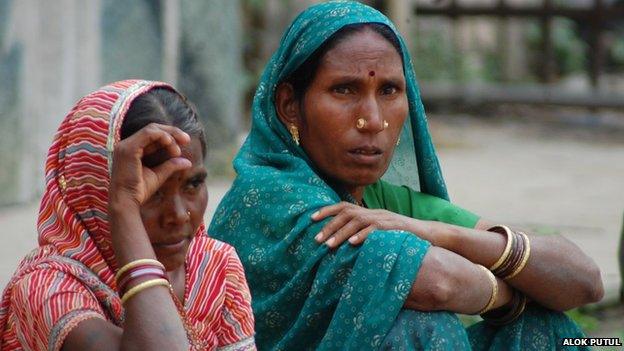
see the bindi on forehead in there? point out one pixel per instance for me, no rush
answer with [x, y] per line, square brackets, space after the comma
[371, 73]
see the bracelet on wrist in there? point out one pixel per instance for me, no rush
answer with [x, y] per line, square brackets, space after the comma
[494, 290]
[515, 255]
[507, 313]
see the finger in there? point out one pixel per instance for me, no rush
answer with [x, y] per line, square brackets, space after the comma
[333, 225]
[163, 171]
[330, 210]
[161, 135]
[180, 136]
[344, 233]
[360, 236]
[172, 149]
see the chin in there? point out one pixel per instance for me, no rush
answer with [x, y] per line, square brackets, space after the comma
[172, 263]
[364, 178]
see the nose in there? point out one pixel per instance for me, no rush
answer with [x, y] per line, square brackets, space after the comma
[175, 211]
[370, 112]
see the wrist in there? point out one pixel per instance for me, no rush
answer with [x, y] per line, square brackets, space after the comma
[443, 235]
[118, 206]
[505, 294]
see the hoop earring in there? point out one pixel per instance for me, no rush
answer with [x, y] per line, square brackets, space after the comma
[294, 132]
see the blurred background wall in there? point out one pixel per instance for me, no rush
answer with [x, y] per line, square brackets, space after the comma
[54, 52]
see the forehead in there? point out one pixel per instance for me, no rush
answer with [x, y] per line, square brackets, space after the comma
[192, 151]
[363, 50]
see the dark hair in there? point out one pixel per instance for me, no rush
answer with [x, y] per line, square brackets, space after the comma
[303, 76]
[163, 106]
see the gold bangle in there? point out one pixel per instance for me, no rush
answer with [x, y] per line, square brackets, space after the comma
[507, 313]
[494, 295]
[525, 257]
[145, 285]
[135, 263]
[507, 250]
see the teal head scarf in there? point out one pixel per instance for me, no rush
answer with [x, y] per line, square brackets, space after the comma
[305, 295]
[415, 163]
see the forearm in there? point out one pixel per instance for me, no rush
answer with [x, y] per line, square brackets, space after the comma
[447, 281]
[554, 265]
[152, 320]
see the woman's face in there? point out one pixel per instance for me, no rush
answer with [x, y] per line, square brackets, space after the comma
[361, 77]
[173, 214]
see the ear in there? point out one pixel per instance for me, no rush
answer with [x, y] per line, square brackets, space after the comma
[286, 105]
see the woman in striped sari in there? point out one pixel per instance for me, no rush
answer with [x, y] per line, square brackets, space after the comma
[124, 261]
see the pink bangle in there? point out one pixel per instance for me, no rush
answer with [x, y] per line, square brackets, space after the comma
[138, 272]
[122, 276]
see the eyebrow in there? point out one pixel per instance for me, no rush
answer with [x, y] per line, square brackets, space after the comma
[200, 173]
[356, 79]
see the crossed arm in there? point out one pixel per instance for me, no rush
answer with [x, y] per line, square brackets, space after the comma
[449, 278]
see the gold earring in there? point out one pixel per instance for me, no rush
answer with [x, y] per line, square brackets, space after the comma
[294, 131]
[386, 124]
[361, 123]
[62, 183]
[188, 213]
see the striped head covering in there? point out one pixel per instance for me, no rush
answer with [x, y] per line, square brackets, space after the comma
[73, 213]
[75, 251]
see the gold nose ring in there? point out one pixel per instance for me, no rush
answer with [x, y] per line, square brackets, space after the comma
[361, 123]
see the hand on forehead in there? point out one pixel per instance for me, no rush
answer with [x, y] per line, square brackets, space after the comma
[190, 151]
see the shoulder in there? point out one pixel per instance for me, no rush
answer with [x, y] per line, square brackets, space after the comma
[45, 304]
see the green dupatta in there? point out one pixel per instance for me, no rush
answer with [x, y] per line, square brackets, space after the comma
[305, 295]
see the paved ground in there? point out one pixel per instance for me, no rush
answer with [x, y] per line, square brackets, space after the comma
[539, 176]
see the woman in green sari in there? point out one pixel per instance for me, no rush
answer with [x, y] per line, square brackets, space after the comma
[337, 108]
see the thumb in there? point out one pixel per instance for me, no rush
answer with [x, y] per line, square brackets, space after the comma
[167, 168]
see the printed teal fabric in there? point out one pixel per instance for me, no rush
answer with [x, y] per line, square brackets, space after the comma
[305, 296]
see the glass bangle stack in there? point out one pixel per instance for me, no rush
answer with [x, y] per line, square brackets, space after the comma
[511, 262]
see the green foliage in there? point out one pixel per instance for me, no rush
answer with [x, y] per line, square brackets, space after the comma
[468, 320]
[569, 49]
[585, 321]
[435, 58]
[617, 52]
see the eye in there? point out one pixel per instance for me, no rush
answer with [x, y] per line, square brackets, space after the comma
[156, 197]
[389, 90]
[342, 89]
[195, 183]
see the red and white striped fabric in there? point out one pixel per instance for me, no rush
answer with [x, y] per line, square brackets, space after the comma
[70, 277]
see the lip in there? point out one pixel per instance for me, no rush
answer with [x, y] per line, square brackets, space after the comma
[171, 247]
[366, 154]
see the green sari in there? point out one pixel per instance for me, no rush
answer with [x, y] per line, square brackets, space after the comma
[304, 295]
